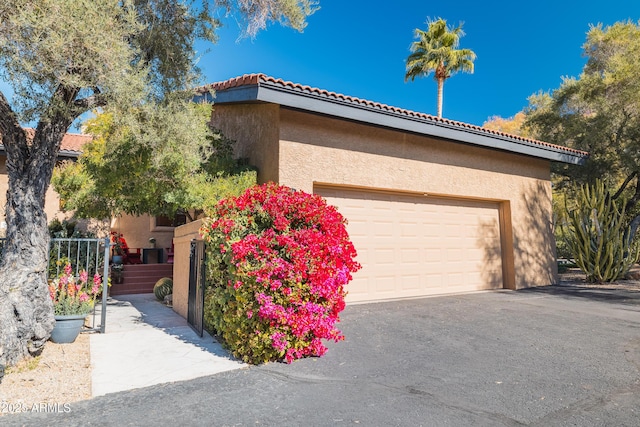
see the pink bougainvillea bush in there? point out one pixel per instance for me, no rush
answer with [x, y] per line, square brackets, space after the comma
[278, 261]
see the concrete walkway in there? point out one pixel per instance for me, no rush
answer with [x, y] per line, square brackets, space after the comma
[147, 343]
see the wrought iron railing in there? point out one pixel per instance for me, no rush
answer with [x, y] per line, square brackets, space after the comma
[91, 255]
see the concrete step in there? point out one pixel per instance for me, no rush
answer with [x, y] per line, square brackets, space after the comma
[140, 278]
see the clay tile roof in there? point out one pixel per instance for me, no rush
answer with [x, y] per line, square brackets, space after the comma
[72, 143]
[259, 79]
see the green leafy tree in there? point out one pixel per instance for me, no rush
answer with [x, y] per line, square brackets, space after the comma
[63, 58]
[436, 51]
[514, 125]
[598, 112]
[176, 163]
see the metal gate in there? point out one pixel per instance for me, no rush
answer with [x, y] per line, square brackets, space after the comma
[195, 312]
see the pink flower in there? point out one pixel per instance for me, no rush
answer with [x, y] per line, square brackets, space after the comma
[279, 341]
[291, 255]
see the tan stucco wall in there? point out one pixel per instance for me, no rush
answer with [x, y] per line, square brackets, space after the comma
[182, 241]
[254, 127]
[315, 149]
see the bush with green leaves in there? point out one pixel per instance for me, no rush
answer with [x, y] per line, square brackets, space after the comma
[598, 236]
[278, 261]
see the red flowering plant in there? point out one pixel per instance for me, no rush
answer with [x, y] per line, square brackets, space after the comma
[118, 244]
[73, 294]
[278, 262]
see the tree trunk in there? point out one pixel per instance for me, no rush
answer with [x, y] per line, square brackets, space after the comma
[440, 91]
[26, 312]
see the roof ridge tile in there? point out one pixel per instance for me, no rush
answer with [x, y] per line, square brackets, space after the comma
[257, 79]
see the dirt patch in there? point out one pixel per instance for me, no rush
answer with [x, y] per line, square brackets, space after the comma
[59, 376]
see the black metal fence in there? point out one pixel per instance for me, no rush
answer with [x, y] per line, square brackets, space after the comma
[197, 270]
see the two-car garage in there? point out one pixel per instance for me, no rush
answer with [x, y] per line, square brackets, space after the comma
[413, 245]
[434, 206]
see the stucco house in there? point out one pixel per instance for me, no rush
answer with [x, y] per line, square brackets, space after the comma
[434, 206]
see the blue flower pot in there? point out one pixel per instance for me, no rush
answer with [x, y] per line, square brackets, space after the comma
[67, 328]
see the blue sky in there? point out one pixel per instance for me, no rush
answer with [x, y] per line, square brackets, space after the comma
[359, 47]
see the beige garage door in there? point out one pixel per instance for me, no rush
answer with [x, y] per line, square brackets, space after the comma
[411, 246]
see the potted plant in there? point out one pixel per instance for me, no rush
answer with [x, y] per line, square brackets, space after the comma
[117, 247]
[73, 298]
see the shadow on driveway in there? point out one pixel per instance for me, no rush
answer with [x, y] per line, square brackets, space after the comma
[592, 293]
[553, 356]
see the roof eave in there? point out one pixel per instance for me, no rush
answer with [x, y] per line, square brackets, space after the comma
[62, 154]
[68, 154]
[307, 101]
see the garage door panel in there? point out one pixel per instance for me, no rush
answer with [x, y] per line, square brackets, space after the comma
[384, 257]
[383, 228]
[411, 282]
[410, 256]
[413, 246]
[358, 227]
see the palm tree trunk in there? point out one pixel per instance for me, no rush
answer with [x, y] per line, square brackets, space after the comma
[440, 95]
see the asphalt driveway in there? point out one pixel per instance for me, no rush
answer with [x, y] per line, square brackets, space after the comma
[545, 357]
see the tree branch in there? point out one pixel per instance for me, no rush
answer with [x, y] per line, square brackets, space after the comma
[53, 124]
[633, 227]
[624, 185]
[80, 106]
[634, 200]
[12, 135]
[619, 131]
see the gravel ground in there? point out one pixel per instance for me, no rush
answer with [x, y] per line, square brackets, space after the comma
[575, 277]
[62, 373]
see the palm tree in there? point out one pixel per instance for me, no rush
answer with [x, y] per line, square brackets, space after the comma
[436, 51]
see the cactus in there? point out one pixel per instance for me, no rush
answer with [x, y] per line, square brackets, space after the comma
[597, 235]
[162, 288]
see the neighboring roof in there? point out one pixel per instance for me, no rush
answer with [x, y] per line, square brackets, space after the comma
[71, 146]
[72, 143]
[262, 88]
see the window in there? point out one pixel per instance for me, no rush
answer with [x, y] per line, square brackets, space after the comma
[165, 221]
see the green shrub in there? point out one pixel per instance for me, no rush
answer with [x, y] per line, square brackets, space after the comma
[599, 239]
[162, 288]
